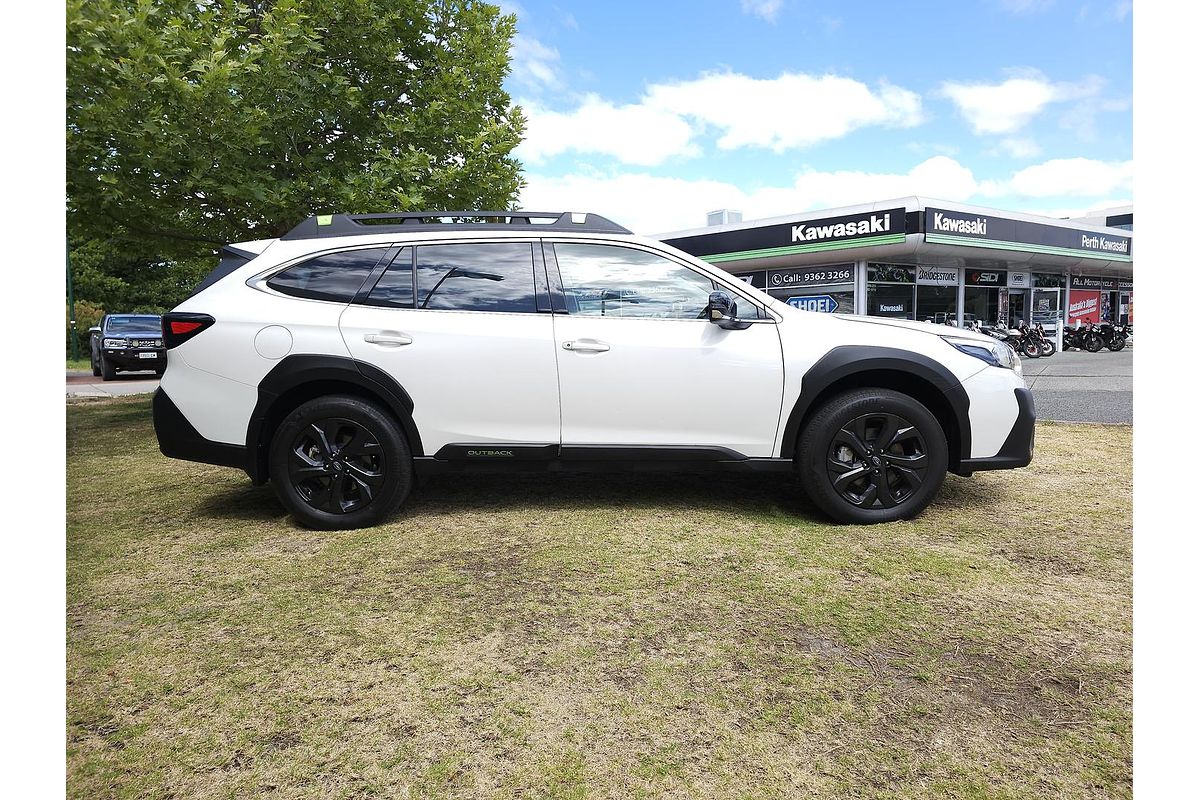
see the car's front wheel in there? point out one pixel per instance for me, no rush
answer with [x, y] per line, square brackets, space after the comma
[340, 462]
[107, 370]
[872, 455]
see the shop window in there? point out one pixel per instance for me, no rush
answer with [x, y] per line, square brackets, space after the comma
[982, 304]
[836, 298]
[937, 303]
[894, 300]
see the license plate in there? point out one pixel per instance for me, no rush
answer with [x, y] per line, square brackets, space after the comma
[147, 355]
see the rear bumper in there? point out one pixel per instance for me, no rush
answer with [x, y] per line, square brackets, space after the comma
[177, 438]
[1017, 450]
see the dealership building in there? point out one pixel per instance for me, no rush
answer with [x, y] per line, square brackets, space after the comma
[933, 260]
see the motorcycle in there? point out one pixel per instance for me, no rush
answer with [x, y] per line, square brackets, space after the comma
[1017, 339]
[1083, 337]
[1047, 344]
[1112, 336]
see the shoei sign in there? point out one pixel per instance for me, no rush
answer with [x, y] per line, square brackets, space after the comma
[943, 226]
[822, 303]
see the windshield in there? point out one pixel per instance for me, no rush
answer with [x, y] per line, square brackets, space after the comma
[134, 324]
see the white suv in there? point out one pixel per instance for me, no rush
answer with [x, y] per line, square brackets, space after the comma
[356, 352]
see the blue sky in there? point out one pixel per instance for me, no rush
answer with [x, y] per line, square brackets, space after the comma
[655, 113]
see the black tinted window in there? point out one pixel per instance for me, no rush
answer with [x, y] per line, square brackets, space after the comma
[333, 276]
[395, 287]
[476, 277]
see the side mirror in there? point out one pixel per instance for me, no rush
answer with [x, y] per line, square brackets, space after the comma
[722, 311]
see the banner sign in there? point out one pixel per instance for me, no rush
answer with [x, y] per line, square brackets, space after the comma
[987, 230]
[1088, 282]
[1018, 280]
[810, 276]
[1125, 284]
[822, 303]
[756, 279]
[937, 276]
[985, 277]
[827, 233]
[1084, 307]
[890, 273]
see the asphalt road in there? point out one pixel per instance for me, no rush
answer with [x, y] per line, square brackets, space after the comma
[1077, 386]
[1074, 386]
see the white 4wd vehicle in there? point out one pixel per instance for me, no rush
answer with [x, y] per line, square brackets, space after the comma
[356, 352]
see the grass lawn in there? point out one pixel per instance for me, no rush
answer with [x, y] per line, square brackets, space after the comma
[584, 636]
[79, 363]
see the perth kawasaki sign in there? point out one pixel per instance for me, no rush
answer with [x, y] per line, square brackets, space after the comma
[799, 236]
[1000, 233]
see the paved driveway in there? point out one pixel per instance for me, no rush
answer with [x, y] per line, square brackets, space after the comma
[1077, 386]
[84, 384]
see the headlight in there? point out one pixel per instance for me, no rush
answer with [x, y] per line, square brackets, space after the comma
[996, 353]
[112, 343]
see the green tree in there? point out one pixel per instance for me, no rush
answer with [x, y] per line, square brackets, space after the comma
[193, 123]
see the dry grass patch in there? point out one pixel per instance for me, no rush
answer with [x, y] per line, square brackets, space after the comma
[653, 636]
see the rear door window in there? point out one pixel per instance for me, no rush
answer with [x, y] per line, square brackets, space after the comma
[485, 276]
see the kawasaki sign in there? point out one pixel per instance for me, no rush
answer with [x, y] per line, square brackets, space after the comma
[807, 236]
[1000, 233]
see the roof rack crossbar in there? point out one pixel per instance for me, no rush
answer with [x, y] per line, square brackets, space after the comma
[329, 225]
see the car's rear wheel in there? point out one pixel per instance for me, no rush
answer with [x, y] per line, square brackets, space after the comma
[340, 462]
[872, 455]
[107, 369]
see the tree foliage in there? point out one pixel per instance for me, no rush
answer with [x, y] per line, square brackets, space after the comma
[194, 123]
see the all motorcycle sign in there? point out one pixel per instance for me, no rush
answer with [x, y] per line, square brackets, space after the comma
[821, 303]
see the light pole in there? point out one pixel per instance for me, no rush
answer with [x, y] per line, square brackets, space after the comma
[71, 305]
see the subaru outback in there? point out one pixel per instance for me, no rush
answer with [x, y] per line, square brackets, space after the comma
[357, 352]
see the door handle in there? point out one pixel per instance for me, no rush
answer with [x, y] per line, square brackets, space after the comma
[387, 339]
[586, 346]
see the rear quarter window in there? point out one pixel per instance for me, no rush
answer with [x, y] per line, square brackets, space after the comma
[332, 276]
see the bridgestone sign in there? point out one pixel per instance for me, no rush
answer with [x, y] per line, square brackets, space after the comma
[933, 276]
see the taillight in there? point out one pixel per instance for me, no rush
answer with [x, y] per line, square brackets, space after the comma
[178, 327]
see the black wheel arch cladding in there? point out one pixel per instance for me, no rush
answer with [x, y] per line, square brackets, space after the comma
[852, 366]
[297, 378]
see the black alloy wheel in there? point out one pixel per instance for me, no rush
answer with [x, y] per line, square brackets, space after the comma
[1117, 343]
[1030, 348]
[1092, 342]
[872, 455]
[336, 465]
[877, 460]
[340, 462]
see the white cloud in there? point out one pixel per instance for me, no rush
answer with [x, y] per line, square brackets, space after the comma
[534, 65]
[793, 110]
[790, 111]
[633, 134]
[1122, 9]
[651, 204]
[765, 9]
[1025, 6]
[1006, 107]
[1065, 177]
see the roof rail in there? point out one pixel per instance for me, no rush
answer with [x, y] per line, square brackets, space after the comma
[326, 225]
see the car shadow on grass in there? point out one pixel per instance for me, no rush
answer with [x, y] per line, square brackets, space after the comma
[738, 494]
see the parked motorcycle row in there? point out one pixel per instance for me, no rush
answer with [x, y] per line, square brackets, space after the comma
[1032, 341]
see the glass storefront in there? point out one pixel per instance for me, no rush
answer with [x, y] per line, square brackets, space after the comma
[827, 288]
[891, 290]
[937, 303]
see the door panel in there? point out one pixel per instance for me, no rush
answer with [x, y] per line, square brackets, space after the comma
[668, 382]
[473, 377]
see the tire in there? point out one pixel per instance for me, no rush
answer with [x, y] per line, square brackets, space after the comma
[841, 439]
[1117, 343]
[1049, 348]
[158, 373]
[1030, 348]
[95, 367]
[107, 370]
[326, 486]
[1093, 343]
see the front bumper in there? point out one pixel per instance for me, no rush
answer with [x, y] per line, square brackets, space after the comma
[1017, 450]
[131, 358]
